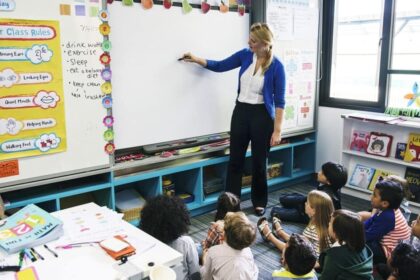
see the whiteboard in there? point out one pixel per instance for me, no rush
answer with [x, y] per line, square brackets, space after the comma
[156, 97]
[82, 94]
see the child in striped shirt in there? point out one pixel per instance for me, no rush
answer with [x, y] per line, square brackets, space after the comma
[387, 226]
[319, 208]
[227, 202]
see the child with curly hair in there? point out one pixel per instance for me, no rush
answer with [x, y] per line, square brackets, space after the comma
[233, 259]
[319, 208]
[227, 202]
[167, 219]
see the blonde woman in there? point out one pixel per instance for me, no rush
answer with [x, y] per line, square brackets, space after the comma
[319, 208]
[258, 113]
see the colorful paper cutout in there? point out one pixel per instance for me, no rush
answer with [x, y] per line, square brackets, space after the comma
[106, 88]
[107, 102]
[127, 2]
[205, 7]
[106, 74]
[65, 10]
[147, 4]
[105, 29]
[167, 4]
[108, 121]
[105, 58]
[93, 11]
[186, 7]
[109, 148]
[103, 15]
[106, 46]
[109, 135]
[80, 10]
[223, 7]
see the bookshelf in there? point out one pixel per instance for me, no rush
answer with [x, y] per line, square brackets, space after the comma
[399, 128]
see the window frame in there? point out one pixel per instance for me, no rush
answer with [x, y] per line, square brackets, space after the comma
[385, 54]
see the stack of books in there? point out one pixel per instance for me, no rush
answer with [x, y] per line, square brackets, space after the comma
[29, 227]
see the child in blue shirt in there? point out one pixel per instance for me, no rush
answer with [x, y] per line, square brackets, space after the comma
[386, 226]
[298, 260]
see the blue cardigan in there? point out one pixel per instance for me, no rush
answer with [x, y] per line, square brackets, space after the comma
[274, 77]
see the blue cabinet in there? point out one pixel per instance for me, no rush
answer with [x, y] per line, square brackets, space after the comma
[204, 178]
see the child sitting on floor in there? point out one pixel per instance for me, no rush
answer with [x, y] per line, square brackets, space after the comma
[349, 257]
[167, 219]
[332, 177]
[405, 262]
[386, 226]
[319, 208]
[298, 260]
[227, 202]
[233, 259]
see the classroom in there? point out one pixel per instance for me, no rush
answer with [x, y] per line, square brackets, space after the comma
[210, 139]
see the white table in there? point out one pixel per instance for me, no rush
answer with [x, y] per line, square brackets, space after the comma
[91, 262]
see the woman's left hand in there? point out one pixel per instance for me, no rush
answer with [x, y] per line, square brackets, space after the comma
[275, 138]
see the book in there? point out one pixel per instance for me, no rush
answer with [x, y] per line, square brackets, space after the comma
[378, 176]
[400, 150]
[412, 193]
[359, 140]
[361, 177]
[31, 226]
[379, 144]
[412, 151]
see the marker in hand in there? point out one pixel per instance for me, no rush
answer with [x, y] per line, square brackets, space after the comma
[185, 56]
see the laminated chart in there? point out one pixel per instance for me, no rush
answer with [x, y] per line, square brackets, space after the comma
[32, 117]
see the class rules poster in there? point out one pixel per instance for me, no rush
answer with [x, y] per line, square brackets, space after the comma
[32, 117]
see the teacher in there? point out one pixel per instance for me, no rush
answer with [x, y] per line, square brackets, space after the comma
[258, 113]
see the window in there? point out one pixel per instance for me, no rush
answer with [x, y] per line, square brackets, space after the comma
[371, 54]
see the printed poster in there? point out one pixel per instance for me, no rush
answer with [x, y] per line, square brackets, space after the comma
[32, 118]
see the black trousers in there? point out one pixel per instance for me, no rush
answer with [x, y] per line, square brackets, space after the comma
[250, 123]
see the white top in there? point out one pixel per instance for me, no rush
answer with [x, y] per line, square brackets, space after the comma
[252, 85]
[224, 262]
[185, 245]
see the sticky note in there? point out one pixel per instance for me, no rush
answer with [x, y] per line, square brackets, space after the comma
[27, 274]
[93, 11]
[80, 10]
[65, 10]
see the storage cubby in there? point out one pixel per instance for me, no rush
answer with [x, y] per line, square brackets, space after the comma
[283, 156]
[187, 181]
[214, 178]
[303, 159]
[102, 197]
[147, 188]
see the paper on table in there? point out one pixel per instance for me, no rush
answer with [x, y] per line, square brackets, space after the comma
[90, 222]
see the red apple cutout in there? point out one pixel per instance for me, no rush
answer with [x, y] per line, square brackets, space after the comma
[205, 7]
[167, 4]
